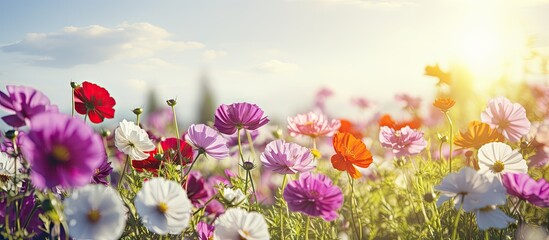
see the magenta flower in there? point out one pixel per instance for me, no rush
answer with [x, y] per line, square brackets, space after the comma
[314, 195]
[521, 185]
[229, 118]
[102, 172]
[312, 124]
[205, 231]
[198, 191]
[205, 139]
[287, 158]
[24, 103]
[507, 117]
[403, 142]
[62, 150]
[27, 210]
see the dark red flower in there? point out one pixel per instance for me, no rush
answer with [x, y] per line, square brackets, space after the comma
[169, 153]
[94, 101]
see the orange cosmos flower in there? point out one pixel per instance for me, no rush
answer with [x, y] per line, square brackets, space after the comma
[387, 120]
[350, 152]
[444, 103]
[478, 134]
[348, 126]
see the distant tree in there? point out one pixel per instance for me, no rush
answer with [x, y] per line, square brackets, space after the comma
[206, 107]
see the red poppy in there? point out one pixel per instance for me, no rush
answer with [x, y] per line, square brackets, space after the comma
[169, 153]
[387, 120]
[94, 101]
[350, 152]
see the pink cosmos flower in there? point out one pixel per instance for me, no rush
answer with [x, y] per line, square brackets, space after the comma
[507, 117]
[24, 103]
[229, 118]
[312, 124]
[403, 142]
[205, 139]
[409, 101]
[62, 151]
[287, 158]
[314, 195]
[521, 185]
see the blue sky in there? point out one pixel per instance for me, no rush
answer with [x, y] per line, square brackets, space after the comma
[273, 53]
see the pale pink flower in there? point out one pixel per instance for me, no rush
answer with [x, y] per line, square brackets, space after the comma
[411, 102]
[403, 142]
[361, 102]
[507, 117]
[312, 124]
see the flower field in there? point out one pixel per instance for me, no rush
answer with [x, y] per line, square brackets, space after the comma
[459, 167]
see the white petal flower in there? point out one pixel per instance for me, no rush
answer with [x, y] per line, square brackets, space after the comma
[236, 224]
[496, 158]
[464, 186]
[95, 212]
[163, 206]
[7, 172]
[235, 197]
[491, 217]
[132, 140]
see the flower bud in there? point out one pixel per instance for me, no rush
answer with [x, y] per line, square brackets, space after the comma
[278, 133]
[442, 138]
[171, 102]
[74, 85]
[11, 134]
[429, 197]
[248, 165]
[105, 133]
[137, 111]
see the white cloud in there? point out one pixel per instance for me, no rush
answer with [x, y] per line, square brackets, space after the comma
[213, 54]
[94, 44]
[152, 64]
[276, 66]
[137, 84]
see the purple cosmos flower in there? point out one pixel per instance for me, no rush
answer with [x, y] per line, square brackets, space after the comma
[102, 172]
[521, 185]
[314, 195]
[24, 103]
[62, 151]
[403, 142]
[197, 189]
[229, 118]
[507, 117]
[205, 231]
[287, 158]
[26, 209]
[205, 139]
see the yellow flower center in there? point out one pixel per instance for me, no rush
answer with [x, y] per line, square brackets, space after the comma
[94, 215]
[488, 208]
[498, 166]
[60, 153]
[316, 153]
[245, 233]
[4, 178]
[162, 207]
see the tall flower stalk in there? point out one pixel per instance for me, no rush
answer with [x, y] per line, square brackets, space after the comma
[172, 103]
[444, 104]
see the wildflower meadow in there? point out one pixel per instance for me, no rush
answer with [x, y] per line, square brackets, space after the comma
[459, 167]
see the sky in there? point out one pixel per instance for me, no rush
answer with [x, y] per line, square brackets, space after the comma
[276, 54]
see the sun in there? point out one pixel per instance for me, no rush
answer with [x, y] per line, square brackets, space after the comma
[490, 43]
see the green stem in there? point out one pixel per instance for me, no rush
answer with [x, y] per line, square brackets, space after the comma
[240, 152]
[123, 172]
[191, 167]
[72, 109]
[250, 143]
[355, 229]
[307, 227]
[177, 136]
[282, 207]
[456, 221]
[451, 139]
[486, 235]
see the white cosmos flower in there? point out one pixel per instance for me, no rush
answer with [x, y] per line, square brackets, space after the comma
[132, 140]
[163, 206]
[465, 187]
[491, 217]
[234, 197]
[7, 172]
[95, 212]
[236, 224]
[496, 158]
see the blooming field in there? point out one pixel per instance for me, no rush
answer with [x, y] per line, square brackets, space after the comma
[436, 175]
